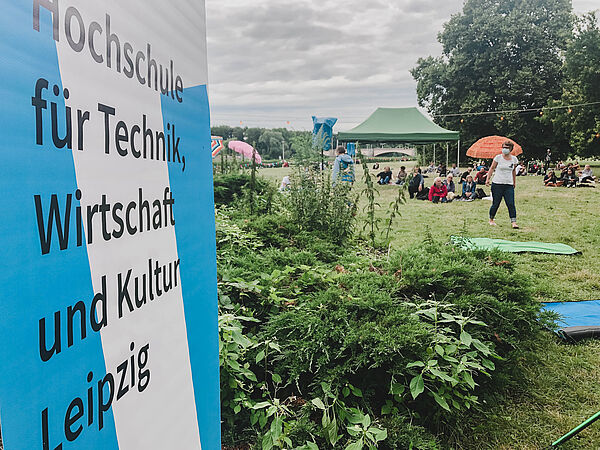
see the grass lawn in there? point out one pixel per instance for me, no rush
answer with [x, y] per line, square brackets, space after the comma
[561, 384]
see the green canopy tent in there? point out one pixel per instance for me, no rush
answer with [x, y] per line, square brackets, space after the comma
[400, 125]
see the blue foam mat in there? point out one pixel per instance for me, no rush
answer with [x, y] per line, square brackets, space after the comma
[576, 314]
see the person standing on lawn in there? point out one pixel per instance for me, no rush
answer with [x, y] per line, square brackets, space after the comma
[503, 183]
[343, 167]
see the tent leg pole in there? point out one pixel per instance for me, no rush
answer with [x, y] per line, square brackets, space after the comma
[458, 155]
[446, 155]
[434, 154]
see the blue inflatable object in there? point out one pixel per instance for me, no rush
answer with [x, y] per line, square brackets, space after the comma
[579, 319]
[323, 131]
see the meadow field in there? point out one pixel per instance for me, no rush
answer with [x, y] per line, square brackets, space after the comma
[560, 385]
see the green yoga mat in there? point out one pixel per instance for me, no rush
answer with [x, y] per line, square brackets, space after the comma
[511, 246]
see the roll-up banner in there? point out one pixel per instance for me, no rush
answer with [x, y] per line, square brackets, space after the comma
[108, 306]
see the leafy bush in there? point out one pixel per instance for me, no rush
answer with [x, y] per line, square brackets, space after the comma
[232, 186]
[326, 345]
[314, 204]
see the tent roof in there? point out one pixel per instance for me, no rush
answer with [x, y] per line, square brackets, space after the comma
[398, 125]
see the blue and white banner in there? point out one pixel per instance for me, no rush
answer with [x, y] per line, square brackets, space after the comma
[108, 307]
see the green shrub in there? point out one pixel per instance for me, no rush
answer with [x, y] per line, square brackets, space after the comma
[315, 205]
[232, 186]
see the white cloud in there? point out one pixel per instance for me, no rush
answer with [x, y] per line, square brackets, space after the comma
[276, 61]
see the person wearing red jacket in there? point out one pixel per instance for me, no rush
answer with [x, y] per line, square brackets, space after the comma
[438, 192]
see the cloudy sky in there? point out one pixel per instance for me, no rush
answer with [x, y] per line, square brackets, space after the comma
[277, 61]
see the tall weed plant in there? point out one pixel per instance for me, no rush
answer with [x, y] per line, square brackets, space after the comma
[315, 204]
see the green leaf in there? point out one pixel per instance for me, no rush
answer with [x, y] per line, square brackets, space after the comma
[417, 386]
[318, 403]
[355, 416]
[261, 405]
[356, 391]
[415, 364]
[276, 378]
[379, 434]
[262, 421]
[488, 364]
[481, 347]
[237, 409]
[439, 349]
[444, 376]
[450, 349]
[397, 389]
[366, 421]
[267, 442]
[469, 379]
[358, 445]
[332, 432]
[465, 338]
[311, 446]
[441, 401]
[260, 356]
[275, 346]
[345, 392]
[386, 409]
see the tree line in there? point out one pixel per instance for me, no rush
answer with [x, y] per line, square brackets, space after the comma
[270, 143]
[516, 68]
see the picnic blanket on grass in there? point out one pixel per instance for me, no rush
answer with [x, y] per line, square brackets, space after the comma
[512, 246]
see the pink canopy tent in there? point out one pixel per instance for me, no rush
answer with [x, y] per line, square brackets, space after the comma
[246, 150]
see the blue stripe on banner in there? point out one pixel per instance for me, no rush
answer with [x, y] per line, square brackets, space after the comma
[195, 232]
[33, 286]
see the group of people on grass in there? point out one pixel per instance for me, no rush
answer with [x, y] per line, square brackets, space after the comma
[571, 175]
[444, 189]
[501, 175]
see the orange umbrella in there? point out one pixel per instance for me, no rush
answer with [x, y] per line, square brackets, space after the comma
[490, 146]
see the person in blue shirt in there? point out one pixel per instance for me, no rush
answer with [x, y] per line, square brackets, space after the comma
[469, 189]
[343, 167]
[385, 177]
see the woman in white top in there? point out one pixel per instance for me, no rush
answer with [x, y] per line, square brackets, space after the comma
[503, 184]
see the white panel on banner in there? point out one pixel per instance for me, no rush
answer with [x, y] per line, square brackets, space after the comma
[108, 310]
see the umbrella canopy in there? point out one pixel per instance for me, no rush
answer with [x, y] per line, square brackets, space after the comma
[246, 150]
[216, 145]
[490, 146]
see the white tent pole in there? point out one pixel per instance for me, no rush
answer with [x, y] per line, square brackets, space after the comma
[434, 154]
[458, 155]
[447, 146]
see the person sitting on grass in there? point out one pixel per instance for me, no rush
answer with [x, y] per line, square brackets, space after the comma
[417, 183]
[469, 188]
[481, 175]
[285, 184]
[570, 179]
[520, 170]
[550, 179]
[449, 183]
[438, 192]
[586, 175]
[386, 176]
[455, 171]
[464, 175]
[401, 177]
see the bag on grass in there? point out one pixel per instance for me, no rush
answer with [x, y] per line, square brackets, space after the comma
[480, 193]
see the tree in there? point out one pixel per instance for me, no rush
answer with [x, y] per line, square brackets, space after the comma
[225, 131]
[271, 142]
[499, 55]
[580, 125]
